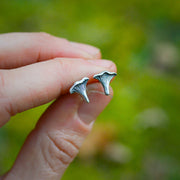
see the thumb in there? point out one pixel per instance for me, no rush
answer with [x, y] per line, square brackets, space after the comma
[56, 140]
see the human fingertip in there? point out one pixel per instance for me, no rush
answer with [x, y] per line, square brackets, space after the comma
[104, 63]
[94, 52]
[88, 112]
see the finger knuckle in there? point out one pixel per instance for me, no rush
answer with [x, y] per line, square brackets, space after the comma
[43, 34]
[64, 41]
[64, 65]
[6, 109]
[2, 82]
[61, 148]
[41, 38]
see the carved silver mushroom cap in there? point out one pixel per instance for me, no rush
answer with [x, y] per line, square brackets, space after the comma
[80, 88]
[105, 79]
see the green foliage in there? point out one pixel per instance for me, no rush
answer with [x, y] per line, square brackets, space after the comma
[142, 38]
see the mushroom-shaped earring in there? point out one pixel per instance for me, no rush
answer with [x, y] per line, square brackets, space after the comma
[80, 88]
[105, 78]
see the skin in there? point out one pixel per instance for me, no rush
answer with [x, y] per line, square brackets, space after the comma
[36, 68]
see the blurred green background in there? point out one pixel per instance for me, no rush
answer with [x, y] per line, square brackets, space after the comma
[138, 135]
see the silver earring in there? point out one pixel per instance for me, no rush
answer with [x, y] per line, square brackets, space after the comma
[105, 78]
[80, 88]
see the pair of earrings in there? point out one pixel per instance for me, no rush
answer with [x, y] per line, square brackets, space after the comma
[80, 86]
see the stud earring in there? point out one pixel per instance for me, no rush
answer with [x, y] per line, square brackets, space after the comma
[105, 78]
[80, 88]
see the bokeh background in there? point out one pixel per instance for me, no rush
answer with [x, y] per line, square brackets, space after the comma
[138, 135]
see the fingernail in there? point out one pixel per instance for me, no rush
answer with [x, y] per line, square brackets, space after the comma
[89, 112]
[102, 63]
[93, 51]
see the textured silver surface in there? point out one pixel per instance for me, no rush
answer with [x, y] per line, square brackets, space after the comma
[80, 88]
[105, 79]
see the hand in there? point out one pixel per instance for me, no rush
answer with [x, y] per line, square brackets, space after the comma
[37, 68]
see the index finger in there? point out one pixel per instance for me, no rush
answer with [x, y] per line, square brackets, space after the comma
[30, 86]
